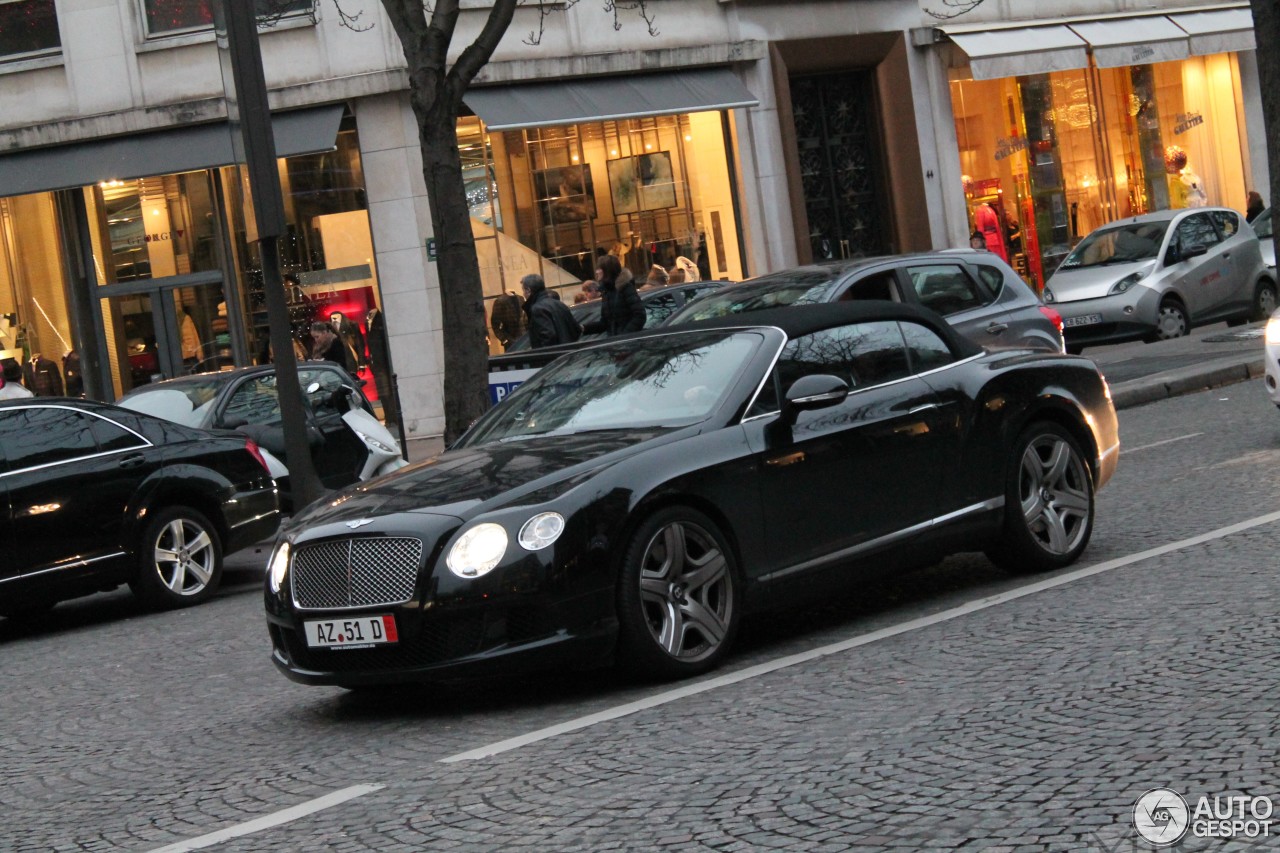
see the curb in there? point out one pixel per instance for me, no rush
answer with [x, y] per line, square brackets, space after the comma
[1184, 380]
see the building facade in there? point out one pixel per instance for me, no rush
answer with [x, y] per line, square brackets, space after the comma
[743, 138]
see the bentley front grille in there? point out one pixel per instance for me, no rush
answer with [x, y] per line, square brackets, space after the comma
[355, 573]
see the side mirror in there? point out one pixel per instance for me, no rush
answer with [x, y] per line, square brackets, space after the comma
[233, 422]
[819, 391]
[1195, 250]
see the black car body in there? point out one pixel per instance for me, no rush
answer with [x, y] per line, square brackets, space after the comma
[246, 399]
[766, 459]
[93, 496]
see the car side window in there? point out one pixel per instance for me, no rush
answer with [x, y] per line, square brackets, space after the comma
[945, 288]
[925, 348]
[659, 308]
[1228, 222]
[880, 285]
[863, 354]
[1197, 229]
[111, 436]
[42, 436]
[992, 277]
[256, 401]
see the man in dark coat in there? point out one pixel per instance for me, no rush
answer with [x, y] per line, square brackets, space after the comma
[621, 310]
[550, 320]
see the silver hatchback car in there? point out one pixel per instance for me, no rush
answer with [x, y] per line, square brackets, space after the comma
[1154, 277]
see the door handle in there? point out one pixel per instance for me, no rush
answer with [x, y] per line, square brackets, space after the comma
[996, 328]
[133, 460]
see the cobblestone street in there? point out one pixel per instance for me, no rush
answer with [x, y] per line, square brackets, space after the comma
[1032, 723]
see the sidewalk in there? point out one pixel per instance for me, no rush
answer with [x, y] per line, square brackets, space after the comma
[1207, 358]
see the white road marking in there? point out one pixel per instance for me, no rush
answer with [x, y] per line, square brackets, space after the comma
[1159, 443]
[845, 645]
[272, 820]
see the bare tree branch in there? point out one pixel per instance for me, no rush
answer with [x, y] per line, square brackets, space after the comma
[955, 8]
[479, 52]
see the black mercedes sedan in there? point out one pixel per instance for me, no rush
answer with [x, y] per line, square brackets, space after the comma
[93, 496]
[636, 498]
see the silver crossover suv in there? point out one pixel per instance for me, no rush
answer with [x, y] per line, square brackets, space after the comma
[976, 292]
[1153, 277]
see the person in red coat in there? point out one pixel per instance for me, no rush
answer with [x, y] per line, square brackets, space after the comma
[987, 221]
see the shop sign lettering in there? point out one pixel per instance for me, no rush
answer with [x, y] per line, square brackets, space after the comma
[1008, 147]
[1144, 51]
[162, 237]
[1186, 121]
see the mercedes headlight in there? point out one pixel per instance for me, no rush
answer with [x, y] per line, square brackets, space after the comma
[541, 530]
[279, 566]
[1273, 330]
[477, 551]
[1048, 296]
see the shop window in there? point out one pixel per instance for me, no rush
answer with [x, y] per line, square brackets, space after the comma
[168, 17]
[28, 28]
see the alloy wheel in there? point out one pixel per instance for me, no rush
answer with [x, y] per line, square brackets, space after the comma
[1055, 494]
[686, 591]
[184, 557]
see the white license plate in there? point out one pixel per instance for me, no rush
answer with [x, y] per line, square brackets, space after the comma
[345, 633]
[1082, 320]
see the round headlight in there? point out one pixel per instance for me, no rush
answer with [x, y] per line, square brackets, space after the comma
[477, 551]
[541, 530]
[1273, 330]
[278, 566]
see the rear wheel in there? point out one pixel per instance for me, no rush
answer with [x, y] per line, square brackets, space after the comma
[678, 596]
[179, 560]
[1172, 321]
[1049, 498]
[1264, 300]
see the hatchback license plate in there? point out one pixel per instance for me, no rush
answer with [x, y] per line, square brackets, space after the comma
[1082, 320]
[361, 631]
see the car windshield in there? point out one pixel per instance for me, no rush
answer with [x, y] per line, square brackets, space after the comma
[1122, 244]
[795, 287]
[1262, 224]
[668, 381]
[185, 401]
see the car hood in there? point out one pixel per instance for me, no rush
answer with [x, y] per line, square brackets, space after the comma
[1070, 285]
[460, 483]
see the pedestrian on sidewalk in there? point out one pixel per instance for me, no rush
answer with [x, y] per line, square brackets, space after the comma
[550, 321]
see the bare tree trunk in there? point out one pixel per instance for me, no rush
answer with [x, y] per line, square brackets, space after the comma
[1266, 32]
[466, 351]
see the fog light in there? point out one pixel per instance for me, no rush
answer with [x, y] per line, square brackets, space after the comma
[1271, 383]
[1128, 309]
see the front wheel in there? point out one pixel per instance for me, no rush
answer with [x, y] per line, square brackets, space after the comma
[179, 560]
[1172, 321]
[678, 599]
[1049, 500]
[1264, 300]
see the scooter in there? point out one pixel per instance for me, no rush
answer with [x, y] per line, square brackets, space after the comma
[384, 451]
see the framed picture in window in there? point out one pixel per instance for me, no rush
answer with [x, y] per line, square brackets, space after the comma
[565, 194]
[644, 182]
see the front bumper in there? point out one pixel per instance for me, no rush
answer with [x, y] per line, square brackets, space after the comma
[1271, 359]
[1128, 316]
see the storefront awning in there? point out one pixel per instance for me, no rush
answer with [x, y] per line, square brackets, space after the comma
[1115, 42]
[604, 98]
[1218, 31]
[161, 152]
[1118, 42]
[1014, 52]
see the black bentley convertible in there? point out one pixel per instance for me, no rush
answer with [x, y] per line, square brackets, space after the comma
[636, 498]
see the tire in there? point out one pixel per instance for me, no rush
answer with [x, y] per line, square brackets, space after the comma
[679, 596]
[1048, 504]
[179, 560]
[1264, 300]
[1172, 321]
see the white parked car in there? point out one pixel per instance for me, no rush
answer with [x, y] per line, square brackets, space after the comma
[1154, 277]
